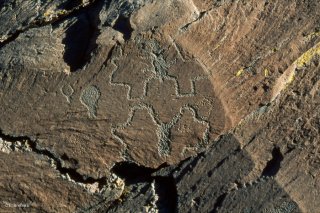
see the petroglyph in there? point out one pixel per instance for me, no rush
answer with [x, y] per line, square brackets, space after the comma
[164, 143]
[205, 106]
[163, 97]
[89, 98]
[132, 72]
[161, 142]
[185, 73]
[188, 132]
[140, 132]
[67, 91]
[155, 83]
[160, 66]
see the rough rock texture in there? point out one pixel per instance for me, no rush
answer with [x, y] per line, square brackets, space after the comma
[159, 106]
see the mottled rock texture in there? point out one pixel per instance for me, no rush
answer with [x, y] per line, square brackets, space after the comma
[159, 106]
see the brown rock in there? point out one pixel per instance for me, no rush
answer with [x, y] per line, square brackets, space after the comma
[90, 85]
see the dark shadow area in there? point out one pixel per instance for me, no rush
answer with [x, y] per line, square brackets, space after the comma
[11, 38]
[273, 166]
[133, 173]
[168, 196]
[218, 202]
[81, 35]
[123, 25]
[71, 4]
[72, 163]
[165, 186]
[76, 41]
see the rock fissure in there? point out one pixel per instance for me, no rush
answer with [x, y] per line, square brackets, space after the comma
[57, 161]
[41, 22]
[164, 187]
[200, 16]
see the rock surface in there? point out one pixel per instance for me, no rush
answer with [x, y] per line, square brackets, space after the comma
[159, 106]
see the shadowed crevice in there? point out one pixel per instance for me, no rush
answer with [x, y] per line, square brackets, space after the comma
[11, 38]
[71, 172]
[77, 41]
[123, 25]
[218, 203]
[80, 37]
[69, 5]
[40, 22]
[273, 166]
[166, 189]
[133, 173]
[201, 15]
[165, 186]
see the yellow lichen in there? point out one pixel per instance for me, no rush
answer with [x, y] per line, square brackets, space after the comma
[313, 35]
[62, 12]
[240, 72]
[290, 78]
[48, 13]
[305, 58]
[266, 72]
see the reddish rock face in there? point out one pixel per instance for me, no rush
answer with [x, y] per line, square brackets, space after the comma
[91, 84]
